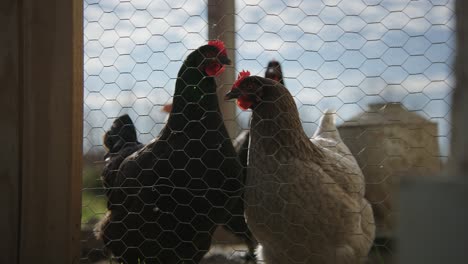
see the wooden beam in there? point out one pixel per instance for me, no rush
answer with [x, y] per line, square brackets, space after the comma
[9, 132]
[458, 162]
[51, 69]
[221, 25]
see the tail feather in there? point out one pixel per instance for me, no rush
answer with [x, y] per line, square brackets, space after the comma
[327, 135]
[327, 127]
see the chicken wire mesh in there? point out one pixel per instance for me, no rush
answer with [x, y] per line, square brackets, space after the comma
[383, 66]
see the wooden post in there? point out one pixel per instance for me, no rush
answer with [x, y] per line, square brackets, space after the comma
[221, 23]
[42, 95]
[458, 163]
[9, 133]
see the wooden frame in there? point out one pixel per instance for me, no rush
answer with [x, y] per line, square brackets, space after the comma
[458, 163]
[221, 25]
[9, 138]
[41, 103]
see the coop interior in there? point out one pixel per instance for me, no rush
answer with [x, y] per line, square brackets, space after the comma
[368, 83]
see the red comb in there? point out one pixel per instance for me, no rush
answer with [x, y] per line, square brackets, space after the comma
[242, 75]
[219, 45]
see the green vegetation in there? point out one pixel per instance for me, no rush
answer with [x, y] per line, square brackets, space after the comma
[92, 176]
[93, 207]
[93, 199]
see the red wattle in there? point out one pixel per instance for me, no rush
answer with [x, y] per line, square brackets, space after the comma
[244, 103]
[220, 71]
[214, 69]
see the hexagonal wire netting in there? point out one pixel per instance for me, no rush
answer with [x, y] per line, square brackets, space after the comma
[384, 66]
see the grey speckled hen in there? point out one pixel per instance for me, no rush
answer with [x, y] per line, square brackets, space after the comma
[304, 198]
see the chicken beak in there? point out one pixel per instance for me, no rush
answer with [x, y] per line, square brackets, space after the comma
[233, 94]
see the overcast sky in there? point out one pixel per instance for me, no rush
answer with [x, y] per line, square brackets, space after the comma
[340, 55]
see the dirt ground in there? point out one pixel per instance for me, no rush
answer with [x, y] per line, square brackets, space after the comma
[230, 253]
[234, 254]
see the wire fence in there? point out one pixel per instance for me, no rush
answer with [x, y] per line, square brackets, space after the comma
[385, 67]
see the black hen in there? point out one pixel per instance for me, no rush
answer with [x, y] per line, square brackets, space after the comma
[174, 192]
[274, 72]
[120, 141]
